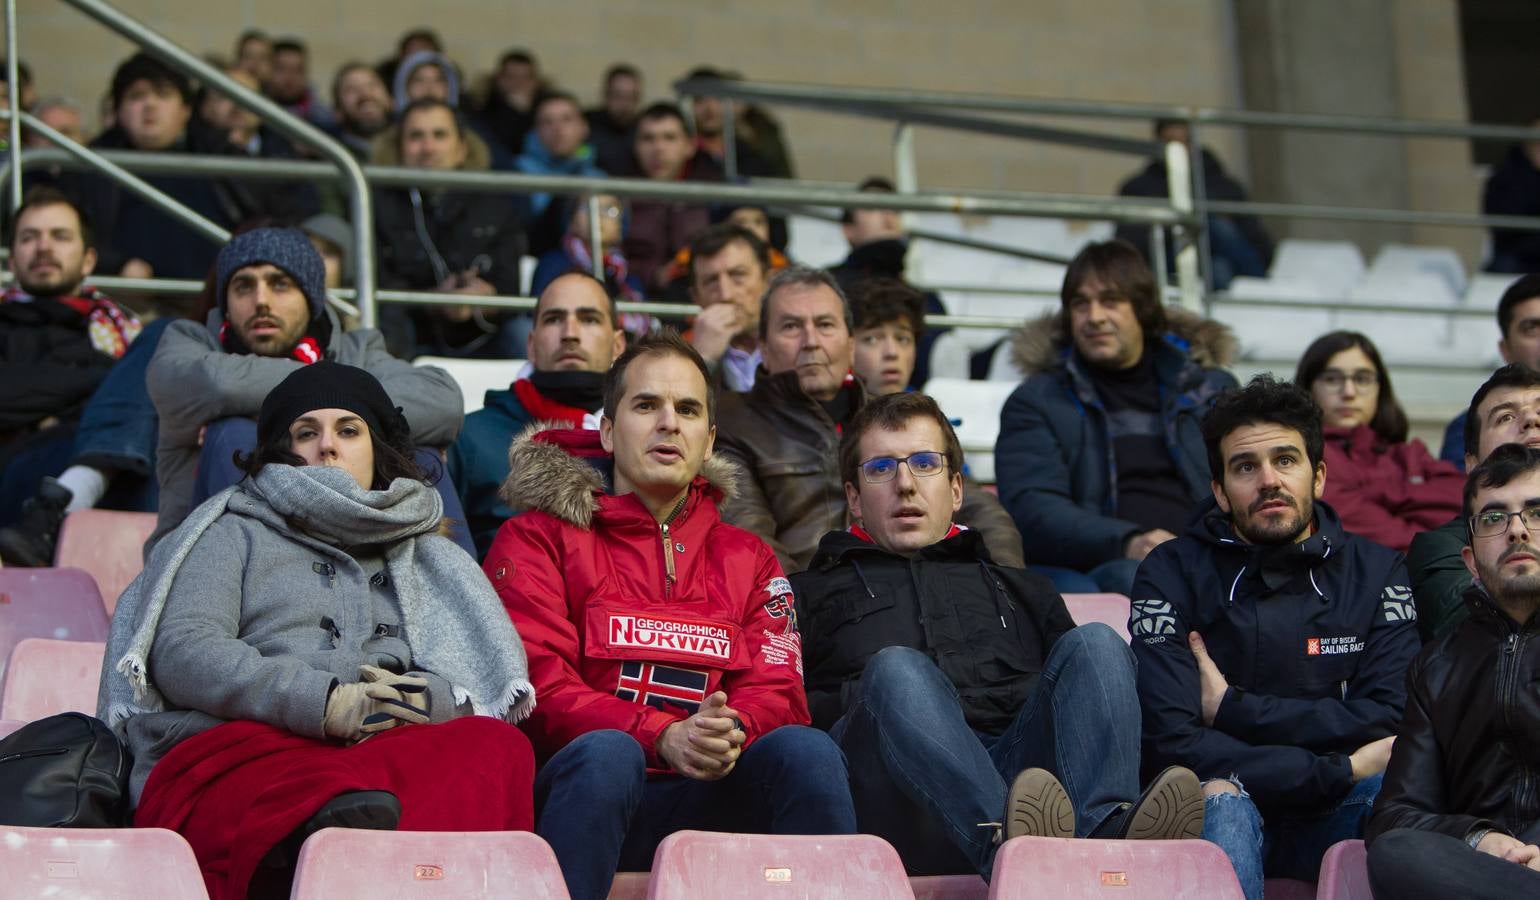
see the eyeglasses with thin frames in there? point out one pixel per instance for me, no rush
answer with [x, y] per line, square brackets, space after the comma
[1495, 522]
[1334, 379]
[883, 468]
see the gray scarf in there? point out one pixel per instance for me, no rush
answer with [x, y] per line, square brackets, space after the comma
[459, 628]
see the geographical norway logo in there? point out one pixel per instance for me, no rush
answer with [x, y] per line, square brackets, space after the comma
[1152, 617]
[1332, 646]
[701, 639]
[661, 687]
[1396, 603]
[779, 606]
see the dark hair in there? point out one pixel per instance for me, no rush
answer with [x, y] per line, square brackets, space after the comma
[804, 277]
[1120, 267]
[872, 184]
[420, 34]
[422, 103]
[891, 412]
[1501, 466]
[46, 195]
[553, 96]
[1263, 401]
[249, 35]
[1389, 420]
[661, 343]
[603, 289]
[621, 70]
[144, 67]
[716, 238]
[347, 68]
[290, 45]
[1512, 375]
[517, 55]
[878, 301]
[665, 110]
[706, 72]
[23, 73]
[1527, 287]
[394, 457]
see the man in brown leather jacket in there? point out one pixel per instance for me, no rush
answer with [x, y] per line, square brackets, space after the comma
[1459, 812]
[786, 431]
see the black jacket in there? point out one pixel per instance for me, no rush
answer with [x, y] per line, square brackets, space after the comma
[1513, 189]
[1314, 638]
[1153, 181]
[1468, 754]
[989, 628]
[48, 366]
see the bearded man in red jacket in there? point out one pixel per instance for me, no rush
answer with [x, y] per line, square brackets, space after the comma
[662, 641]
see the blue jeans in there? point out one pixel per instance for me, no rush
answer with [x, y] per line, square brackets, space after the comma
[1408, 864]
[596, 807]
[119, 429]
[1115, 576]
[1287, 846]
[217, 471]
[924, 780]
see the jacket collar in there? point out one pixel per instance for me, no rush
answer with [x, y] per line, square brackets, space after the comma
[566, 473]
[1040, 344]
[784, 390]
[964, 545]
[1276, 564]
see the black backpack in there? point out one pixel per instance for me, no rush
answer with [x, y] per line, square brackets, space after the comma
[65, 771]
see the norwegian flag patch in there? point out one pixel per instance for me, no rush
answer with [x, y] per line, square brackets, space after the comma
[662, 687]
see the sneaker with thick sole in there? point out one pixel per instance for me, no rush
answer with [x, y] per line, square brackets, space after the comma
[31, 541]
[1038, 806]
[1171, 808]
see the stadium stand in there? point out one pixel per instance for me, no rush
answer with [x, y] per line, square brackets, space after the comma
[103, 863]
[1150, 870]
[107, 544]
[1109, 609]
[46, 677]
[353, 864]
[61, 604]
[691, 864]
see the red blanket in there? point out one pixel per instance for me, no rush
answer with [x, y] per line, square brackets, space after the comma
[237, 790]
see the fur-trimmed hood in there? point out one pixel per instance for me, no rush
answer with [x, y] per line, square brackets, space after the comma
[1039, 345]
[563, 472]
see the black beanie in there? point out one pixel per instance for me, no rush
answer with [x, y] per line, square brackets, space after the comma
[329, 385]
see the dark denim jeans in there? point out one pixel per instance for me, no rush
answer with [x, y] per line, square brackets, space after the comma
[596, 807]
[1286, 846]
[924, 780]
[1115, 576]
[1411, 865]
[217, 471]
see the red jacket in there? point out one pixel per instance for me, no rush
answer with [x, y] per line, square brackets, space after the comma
[1388, 492]
[613, 640]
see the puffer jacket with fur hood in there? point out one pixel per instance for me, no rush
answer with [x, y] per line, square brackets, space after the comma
[1054, 458]
[630, 624]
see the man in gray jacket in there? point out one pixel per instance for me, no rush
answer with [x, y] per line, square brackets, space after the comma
[208, 381]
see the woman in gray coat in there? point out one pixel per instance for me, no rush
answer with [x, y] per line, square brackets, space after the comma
[308, 650]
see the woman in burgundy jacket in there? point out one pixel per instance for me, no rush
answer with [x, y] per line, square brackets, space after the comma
[1383, 486]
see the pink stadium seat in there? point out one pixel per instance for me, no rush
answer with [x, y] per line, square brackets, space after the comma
[342, 863]
[691, 864]
[1071, 869]
[1111, 609]
[104, 863]
[47, 677]
[108, 544]
[948, 887]
[48, 603]
[1289, 889]
[1345, 873]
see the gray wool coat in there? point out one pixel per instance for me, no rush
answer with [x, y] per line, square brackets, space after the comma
[260, 621]
[193, 381]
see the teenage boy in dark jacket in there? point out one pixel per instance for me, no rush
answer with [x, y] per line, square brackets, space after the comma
[944, 676]
[1272, 645]
[1460, 811]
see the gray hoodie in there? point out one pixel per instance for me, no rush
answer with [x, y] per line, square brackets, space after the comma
[193, 381]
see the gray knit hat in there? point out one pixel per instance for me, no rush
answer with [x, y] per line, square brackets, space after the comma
[286, 248]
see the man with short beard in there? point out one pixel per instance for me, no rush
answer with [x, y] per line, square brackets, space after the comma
[58, 340]
[363, 107]
[1459, 815]
[208, 381]
[1272, 646]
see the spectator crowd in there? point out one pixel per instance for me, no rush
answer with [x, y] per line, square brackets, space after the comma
[737, 577]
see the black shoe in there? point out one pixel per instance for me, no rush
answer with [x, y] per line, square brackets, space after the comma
[31, 542]
[374, 810]
[1171, 808]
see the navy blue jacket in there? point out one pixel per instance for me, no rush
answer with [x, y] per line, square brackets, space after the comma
[1314, 638]
[1054, 460]
[478, 464]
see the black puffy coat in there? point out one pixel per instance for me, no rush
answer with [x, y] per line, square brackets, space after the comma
[1468, 754]
[987, 627]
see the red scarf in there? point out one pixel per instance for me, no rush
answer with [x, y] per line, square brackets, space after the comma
[307, 351]
[110, 327]
[861, 533]
[543, 409]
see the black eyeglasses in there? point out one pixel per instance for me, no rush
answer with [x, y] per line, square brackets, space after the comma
[1495, 522]
[883, 468]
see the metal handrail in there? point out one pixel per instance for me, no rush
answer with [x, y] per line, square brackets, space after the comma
[290, 125]
[828, 97]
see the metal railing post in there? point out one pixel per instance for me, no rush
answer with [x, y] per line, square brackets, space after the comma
[906, 175]
[13, 96]
[1179, 178]
[729, 142]
[595, 237]
[1200, 206]
[291, 125]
